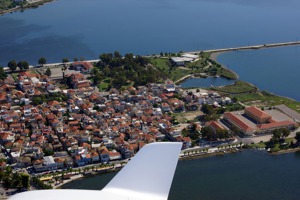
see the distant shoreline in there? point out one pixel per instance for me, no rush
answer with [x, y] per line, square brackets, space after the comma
[35, 4]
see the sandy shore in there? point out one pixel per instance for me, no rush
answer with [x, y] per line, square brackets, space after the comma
[214, 57]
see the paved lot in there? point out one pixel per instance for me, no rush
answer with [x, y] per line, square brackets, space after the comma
[295, 115]
[263, 138]
[278, 116]
[56, 71]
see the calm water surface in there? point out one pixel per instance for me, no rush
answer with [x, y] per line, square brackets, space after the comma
[276, 70]
[77, 28]
[247, 175]
[206, 82]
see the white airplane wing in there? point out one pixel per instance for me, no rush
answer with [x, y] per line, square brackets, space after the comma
[148, 176]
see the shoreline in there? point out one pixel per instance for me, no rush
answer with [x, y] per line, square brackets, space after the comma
[214, 57]
[285, 151]
[35, 4]
[187, 158]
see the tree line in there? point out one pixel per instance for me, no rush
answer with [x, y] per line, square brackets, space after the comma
[12, 179]
[124, 70]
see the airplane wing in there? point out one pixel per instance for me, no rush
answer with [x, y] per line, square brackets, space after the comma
[147, 176]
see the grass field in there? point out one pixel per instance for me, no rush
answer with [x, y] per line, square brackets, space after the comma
[104, 85]
[178, 73]
[190, 116]
[15, 76]
[164, 65]
[226, 73]
[238, 87]
[200, 66]
[264, 99]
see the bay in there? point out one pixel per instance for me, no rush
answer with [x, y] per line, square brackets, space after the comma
[247, 175]
[276, 69]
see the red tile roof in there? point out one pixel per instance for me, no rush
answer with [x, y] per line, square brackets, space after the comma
[242, 125]
[257, 112]
[276, 125]
[86, 65]
[216, 125]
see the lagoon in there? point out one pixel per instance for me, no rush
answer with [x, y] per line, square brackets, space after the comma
[206, 82]
[248, 175]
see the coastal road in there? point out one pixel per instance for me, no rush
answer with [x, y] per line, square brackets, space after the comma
[264, 138]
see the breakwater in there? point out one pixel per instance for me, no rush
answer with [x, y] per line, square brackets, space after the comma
[254, 47]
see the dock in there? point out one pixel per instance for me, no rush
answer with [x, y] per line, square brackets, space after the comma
[254, 47]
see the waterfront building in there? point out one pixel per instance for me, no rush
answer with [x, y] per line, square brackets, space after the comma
[255, 121]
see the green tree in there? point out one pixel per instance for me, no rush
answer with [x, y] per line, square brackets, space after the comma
[42, 61]
[12, 65]
[94, 71]
[25, 180]
[37, 100]
[48, 72]
[97, 78]
[285, 132]
[3, 75]
[297, 137]
[117, 54]
[56, 178]
[65, 60]
[207, 133]
[207, 109]
[16, 180]
[106, 57]
[23, 65]
[276, 135]
[63, 69]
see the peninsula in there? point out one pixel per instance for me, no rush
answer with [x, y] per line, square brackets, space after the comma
[66, 120]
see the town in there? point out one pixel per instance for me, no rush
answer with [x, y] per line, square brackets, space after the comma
[55, 121]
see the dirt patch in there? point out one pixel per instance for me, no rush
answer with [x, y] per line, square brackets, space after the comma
[188, 116]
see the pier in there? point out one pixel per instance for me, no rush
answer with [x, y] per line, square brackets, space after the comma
[254, 47]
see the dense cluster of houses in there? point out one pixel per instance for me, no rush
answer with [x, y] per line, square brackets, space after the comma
[92, 126]
[89, 127]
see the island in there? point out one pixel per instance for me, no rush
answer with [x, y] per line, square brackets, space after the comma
[63, 121]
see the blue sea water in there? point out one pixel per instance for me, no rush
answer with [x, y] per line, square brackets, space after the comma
[276, 69]
[248, 175]
[76, 28]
